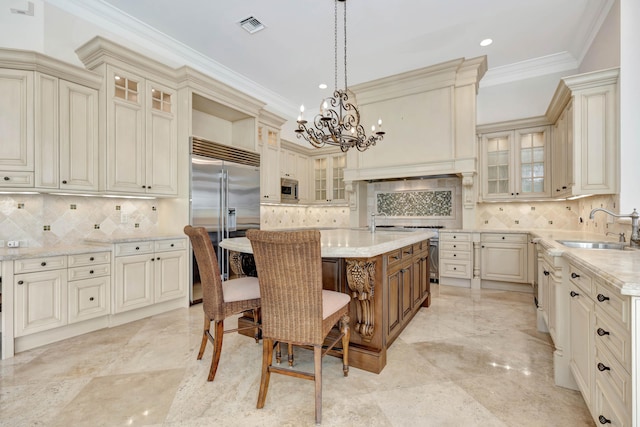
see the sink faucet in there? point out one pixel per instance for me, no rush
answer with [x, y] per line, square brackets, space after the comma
[372, 226]
[620, 236]
[634, 239]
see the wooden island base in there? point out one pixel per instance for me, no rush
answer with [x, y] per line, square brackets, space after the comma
[386, 291]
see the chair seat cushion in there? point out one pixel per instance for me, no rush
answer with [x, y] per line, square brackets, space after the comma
[333, 301]
[243, 288]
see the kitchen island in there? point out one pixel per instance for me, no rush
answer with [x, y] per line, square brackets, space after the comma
[386, 273]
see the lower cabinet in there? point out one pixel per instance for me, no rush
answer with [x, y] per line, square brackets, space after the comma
[456, 261]
[89, 286]
[148, 272]
[504, 257]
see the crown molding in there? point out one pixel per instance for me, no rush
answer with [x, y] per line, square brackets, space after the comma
[558, 62]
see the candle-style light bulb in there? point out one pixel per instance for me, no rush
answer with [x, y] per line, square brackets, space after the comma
[324, 107]
[373, 128]
[301, 111]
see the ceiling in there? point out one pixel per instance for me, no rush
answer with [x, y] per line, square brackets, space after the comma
[295, 52]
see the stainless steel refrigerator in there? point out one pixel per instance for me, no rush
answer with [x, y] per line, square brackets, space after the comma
[225, 196]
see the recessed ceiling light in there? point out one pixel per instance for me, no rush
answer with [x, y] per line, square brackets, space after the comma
[322, 85]
[486, 42]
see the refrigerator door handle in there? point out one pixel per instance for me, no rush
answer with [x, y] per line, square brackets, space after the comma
[222, 227]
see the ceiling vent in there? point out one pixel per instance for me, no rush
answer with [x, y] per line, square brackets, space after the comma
[251, 24]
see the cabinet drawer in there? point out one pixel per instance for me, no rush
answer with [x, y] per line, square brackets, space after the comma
[616, 339]
[16, 179]
[615, 305]
[89, 299]
[78, 273]
[613, 378]
[393, 258]
[455, 269]
[170, 245]
[455, 237]
[581, 279]
[455, 255]
[608, 410]
[39, 264]
[421, 247]
[457, 246]
[134, 248]
[503, 238]
[89, 259]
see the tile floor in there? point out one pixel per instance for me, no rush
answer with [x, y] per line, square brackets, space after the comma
[473, 358]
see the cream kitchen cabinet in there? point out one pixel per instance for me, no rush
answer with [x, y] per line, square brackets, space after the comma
[328, 178]
[40, 294]
[585, 112]
[504, 257]
[142, 142]
[269, 146]
[16, 132]
[515, 163]
[148, 272]
[295, 165]
[66, 135]
[89, 291]
[456, 260]
[562, 149]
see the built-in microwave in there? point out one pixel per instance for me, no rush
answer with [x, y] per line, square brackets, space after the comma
[288, 190]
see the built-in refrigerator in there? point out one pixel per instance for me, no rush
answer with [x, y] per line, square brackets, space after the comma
[224, 197]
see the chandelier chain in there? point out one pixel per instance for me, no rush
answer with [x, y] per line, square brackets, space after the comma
[335, 44]
[345, 46]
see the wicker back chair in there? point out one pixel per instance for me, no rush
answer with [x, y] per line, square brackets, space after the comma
[220, 299]
[295, 308]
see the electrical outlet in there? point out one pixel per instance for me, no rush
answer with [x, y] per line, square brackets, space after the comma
[13, 243]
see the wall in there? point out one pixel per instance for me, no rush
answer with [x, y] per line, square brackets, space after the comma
[71, 219]
[604, 51]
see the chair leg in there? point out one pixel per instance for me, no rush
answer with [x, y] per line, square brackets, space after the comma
[317, 363]
[203, 345]
[267, 359]
[217, 348]
[256, 321]
[290, 354]
[346, 331]
[278, 353]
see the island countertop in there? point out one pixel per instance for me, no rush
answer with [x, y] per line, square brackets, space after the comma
[349, 243]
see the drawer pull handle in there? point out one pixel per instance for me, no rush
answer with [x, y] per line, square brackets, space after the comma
[137, 248]
[573, 294]
[455, 254]
[602, 332]
[91, 299]
[602, 298]
[43, 264]
[546, 273]
[574, 275]
[20, 282]
[64, 181]
[603, 420]
[153, 259]
[91, 259]
[6, 178]
[172, 245]
[395, 257]
[90, 271]
[602, 367]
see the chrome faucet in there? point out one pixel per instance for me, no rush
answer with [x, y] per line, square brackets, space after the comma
[372, 225]
[634, 239]
[620, 236]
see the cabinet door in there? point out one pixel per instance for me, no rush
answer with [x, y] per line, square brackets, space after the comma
[497, 164]
[532, 160]
[394, 313]
[78, 137]
[133, 282]
[89, 298]
[41, 301]
[169, 275]
[506, 262]
[303, 176]
[125, 132]
[407, 290]
[581, 326]
[16, 115]
[161, 144]
[269, 174]
[47, 132]
[329, 178]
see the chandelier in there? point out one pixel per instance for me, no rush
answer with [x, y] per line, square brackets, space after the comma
[338, 122]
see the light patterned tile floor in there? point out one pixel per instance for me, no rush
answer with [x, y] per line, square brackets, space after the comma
[473, 358]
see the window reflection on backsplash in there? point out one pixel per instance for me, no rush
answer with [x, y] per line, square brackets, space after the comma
[49, 220]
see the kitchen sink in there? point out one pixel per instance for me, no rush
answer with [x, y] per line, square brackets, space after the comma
[582, 244]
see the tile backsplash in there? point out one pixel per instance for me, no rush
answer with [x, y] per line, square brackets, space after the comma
[47, 220]
[278, 217]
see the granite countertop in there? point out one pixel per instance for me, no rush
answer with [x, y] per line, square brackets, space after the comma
[621, 268]
[8, 254]
[353, 243]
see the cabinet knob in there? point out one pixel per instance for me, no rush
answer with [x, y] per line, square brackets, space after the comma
[158, 258]
[454, 237]
[20, 282]
[149, 188]
[564, 187]
[455, 268]
[153, 259]
[602, 298]
[172, 245]
[573, 294]
[91, 299]
[602, 332]
[455, 246]
[557, 189]
[574, 275]
[64, 181]
[90, 271]
[91, 259]
[137, 248]
[502, 237]
[604, 420]
[546, 273]
[602, 367]
[455, 254]
[43, 263]
[144, 186]
[6, 178]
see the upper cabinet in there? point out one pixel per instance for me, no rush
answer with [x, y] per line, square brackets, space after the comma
[584, 110]
[269, 147]
[49, 132]
[294, 164]
[515, 164]
[328, 178]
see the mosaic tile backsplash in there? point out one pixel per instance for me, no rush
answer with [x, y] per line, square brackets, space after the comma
[46, 220]
[437, 203]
